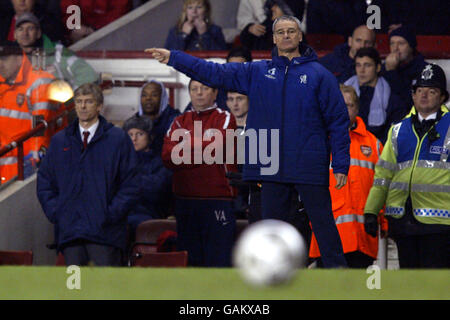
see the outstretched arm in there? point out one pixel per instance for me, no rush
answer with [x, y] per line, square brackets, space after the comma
[228, 76]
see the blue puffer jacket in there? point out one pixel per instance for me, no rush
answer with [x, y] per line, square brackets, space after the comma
[88, 194]
[300, 98]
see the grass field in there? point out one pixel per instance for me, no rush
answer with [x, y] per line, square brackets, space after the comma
[216, 284]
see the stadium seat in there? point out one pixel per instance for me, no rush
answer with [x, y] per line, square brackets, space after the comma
[16, 258]
[141, 256]
[149, 231]
[60, 260]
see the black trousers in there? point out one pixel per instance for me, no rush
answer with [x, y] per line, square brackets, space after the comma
[276, 202]
[423, 251]
[81, 253]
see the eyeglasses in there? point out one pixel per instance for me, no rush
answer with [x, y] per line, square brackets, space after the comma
[290, 32]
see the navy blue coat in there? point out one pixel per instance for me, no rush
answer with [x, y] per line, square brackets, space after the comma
[212, 39]
[339, 63]
[155, 184]
[299, 98]
[88, 194]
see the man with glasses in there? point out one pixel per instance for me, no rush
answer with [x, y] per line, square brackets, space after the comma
[298, 101]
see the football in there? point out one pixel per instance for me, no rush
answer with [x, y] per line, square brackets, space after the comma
[269, 252]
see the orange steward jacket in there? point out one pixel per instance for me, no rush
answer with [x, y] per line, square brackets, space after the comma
[349, 201]
[19, 103]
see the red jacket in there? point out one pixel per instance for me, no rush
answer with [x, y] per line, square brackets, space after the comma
[194, 177]
[97, 13]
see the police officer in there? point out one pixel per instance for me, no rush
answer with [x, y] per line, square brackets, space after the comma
[413, 178]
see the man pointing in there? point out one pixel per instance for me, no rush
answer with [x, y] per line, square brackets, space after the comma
[298, 101]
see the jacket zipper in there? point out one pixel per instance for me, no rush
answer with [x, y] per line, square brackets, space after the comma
[282, 119]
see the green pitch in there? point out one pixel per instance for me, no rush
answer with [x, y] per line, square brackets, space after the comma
[216, 284]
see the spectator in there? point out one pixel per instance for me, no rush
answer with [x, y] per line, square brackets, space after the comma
[428, 17]
[23, 101]
[379, 108]
[155, 180]
[294, 96]
[195, 30]
[87, 184]
[348, 202]
[14, 8]
[412, 178]
[203, 196]
[341, 62]
[60, 61]
[95, 15]
[257, 36]
[238, 54]
[342, 17]
[154, 103]
[403, 64]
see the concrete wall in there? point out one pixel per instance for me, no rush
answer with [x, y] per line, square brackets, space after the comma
[23, 225]
[148, 26]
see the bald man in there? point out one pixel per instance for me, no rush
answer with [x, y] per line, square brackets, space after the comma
[341, 62]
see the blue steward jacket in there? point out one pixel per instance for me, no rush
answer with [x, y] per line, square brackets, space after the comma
[300, 98]
[88, 194]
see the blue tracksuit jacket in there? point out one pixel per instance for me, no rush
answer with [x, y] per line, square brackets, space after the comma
[300, 98]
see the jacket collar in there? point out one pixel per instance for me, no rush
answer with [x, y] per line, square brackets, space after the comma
[307, 54]
[74, 131]
[361, 128]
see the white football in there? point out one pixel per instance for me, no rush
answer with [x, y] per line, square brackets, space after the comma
[269, 252]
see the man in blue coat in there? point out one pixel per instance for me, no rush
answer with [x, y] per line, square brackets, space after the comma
[87, 184]
[298, 101]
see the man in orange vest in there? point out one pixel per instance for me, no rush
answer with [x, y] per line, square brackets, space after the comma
[360, 249]
[23, 103]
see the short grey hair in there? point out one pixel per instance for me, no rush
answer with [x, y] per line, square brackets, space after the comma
[287, 18]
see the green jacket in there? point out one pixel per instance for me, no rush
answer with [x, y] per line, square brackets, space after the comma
[64, 64]
[416, 168]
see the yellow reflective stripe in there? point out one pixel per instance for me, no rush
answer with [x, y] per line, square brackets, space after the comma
[382, 182]
[362, 163]
[387, 165]
[427, 212]
[430, 188]
[37, 83]
[45, 106]
[405, 164]
[350, 218]
[8, 160]
[394, 137]
[15, 114]
[399, 186]
[433, 164]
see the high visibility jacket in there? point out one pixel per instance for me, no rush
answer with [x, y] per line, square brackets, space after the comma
[349, 201]
[19, 102]
[414, 167]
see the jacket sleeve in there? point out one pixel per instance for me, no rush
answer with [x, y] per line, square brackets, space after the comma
[335, 115]
[127, 183]
[384, 172]
[47, 189]
[228, 76]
